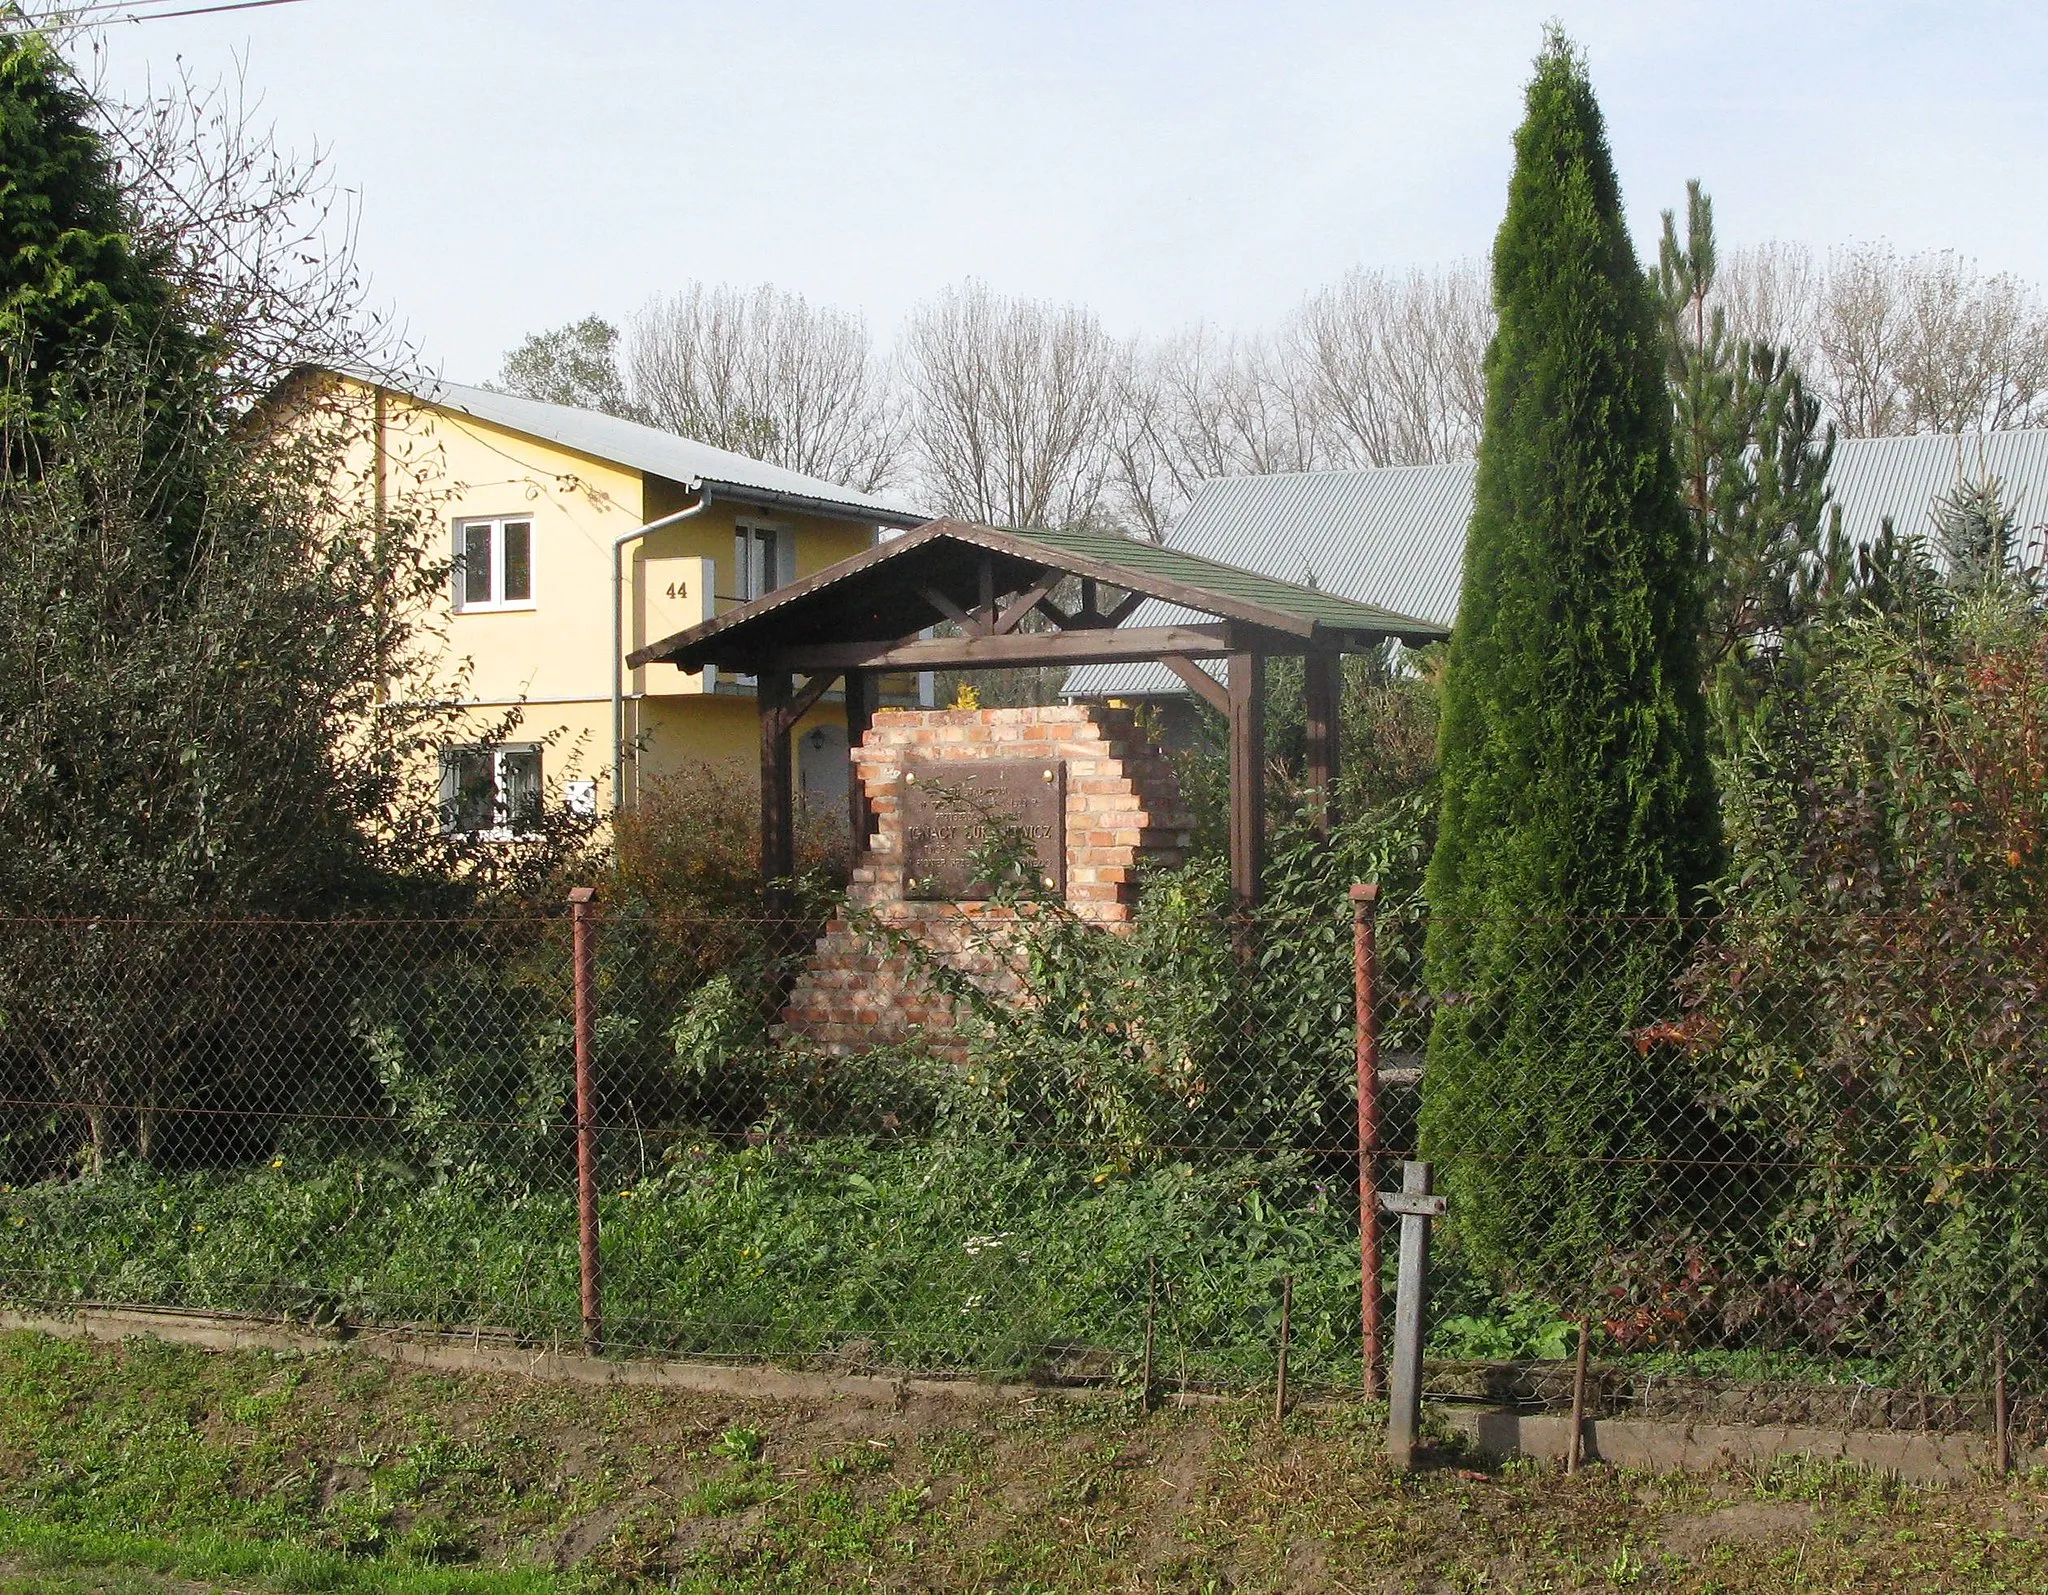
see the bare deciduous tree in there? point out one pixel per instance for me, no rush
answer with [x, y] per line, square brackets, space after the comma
[1976, 351]
[769, 375]
[1012, 405]
[1393, 366]
[1772, 294]
[1898, 343]
[1201, 404]
[262, 240]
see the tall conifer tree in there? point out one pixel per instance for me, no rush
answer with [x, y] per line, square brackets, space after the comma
[71, 279]
[85, 312]
[1576, 784]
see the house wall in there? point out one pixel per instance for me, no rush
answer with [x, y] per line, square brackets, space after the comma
[550, 664]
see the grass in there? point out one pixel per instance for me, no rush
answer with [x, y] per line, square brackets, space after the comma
[909, 1255]
[151, 1468]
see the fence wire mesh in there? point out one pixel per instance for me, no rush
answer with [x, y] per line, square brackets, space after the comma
[1784, 1169]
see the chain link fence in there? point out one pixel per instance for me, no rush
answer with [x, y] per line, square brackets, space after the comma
[1785, 1170]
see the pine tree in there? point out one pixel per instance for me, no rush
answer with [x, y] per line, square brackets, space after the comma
[1753, 462]
[1575, 778]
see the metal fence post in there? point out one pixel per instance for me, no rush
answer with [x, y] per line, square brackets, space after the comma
[583, 923]
[1365, 976]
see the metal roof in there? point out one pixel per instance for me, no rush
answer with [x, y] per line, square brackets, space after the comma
[1395, 536]
[697, 466]
[880, 595]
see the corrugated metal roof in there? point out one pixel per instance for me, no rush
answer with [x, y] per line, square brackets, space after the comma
[1396, 536]
[646, 448]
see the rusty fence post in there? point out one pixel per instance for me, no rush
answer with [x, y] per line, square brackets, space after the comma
[1365, 976]
[583, 924]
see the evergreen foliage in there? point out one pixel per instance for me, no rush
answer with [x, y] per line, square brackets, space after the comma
[1575, 775]
[77, 295]
[1979, 540]
[1753, 460]
[71, 279]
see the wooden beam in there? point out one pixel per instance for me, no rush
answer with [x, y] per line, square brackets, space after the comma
[778, 797]
[863, 694]
[1247, 777]
[1092, 619]
[805, 699]
[986, 607]
[1034, 597]
[1087, 646]
[1321, 679]
[1200, 682]
[969, 624]
[1125, 608]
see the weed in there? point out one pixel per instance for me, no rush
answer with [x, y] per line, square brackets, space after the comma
[741, 1443]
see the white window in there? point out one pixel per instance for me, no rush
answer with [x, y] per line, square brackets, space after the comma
[490, 791]
[494, 564]
[763, 559]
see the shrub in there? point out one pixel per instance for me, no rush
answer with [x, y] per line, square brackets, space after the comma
[1869, 1014]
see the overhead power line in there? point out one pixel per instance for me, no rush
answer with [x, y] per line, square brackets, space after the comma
[107, 13]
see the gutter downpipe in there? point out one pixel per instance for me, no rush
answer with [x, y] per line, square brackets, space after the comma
[619, 634]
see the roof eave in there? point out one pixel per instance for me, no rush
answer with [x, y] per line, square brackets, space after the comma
[833, 509]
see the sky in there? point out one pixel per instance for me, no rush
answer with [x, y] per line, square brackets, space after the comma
[523, 164]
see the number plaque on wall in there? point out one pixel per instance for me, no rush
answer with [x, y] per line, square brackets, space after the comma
[964, 818]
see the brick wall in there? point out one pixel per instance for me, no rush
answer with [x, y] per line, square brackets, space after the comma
[867, 981]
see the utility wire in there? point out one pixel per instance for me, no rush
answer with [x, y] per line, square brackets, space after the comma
[132, 11]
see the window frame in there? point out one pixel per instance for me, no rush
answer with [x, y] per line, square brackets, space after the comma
[782, 540]
[497, 603]
[502, 827]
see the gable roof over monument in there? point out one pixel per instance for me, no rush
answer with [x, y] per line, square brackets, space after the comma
[951, 571]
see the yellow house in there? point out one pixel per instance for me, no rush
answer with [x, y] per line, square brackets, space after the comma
[575, 537]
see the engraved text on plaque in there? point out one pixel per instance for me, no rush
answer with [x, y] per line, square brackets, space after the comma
[953, 810]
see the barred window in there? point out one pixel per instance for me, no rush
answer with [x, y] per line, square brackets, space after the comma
[490, 791]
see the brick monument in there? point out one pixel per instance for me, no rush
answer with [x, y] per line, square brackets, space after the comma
[1080, 785]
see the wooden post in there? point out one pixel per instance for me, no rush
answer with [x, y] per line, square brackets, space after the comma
[2001, 1411]
[1286, 1336]
[582, 916]
[1247, 777]
[1321, 677]
[778, 817]
[1575, 1442]
[861, 699]
[1365, 977]
[1416, 1207]
[1151, 1320]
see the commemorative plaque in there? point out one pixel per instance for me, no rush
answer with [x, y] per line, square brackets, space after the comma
[955, 810]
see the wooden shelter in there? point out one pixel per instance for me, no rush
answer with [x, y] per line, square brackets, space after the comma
[874, 613]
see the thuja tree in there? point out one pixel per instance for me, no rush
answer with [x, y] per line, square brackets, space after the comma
[74, 280]
[1574, 769]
